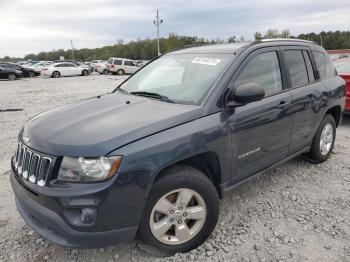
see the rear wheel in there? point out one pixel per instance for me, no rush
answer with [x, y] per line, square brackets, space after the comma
[120, 72]
[323, 141]
[181, 212]
[56, 74]
[105, 72]
[12, 77]
[85, 73]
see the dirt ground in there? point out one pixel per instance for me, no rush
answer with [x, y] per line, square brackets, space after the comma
[296, 212]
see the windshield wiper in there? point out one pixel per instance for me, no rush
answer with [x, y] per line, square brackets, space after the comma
[122, 90]
[152, 95]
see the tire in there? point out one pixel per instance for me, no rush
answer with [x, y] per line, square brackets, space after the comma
[180, 180]
[120, 72]
[56, 74]
[12, 77]
[85, 73]
[323, 141]
[31, 74]
[105, 72]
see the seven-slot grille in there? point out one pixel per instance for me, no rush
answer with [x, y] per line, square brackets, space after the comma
[31, 165]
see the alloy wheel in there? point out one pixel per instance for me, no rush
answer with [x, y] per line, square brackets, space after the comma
[178, 216]
[12, 77]
[326, 139]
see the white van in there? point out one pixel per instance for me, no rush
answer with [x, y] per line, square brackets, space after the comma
[121, 66]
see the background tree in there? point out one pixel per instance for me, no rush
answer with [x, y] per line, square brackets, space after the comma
[146, 49]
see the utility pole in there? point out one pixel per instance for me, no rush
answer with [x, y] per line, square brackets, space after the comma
[71, 43]
[157, 22]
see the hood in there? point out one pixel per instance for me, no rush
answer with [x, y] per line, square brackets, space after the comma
[96, 126]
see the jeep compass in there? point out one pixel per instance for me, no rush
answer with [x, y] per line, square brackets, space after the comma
[152, 158]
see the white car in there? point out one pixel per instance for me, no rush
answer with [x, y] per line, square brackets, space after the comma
[65, 69]
[40, 65]
[101, 68]
[121, 66]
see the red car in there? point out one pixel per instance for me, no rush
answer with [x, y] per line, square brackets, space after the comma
[343, 68]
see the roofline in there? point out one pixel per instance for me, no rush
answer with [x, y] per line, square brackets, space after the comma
[266, 40]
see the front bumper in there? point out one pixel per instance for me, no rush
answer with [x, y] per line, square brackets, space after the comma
[47, 216]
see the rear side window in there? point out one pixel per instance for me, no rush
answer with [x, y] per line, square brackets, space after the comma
[264, 70]
[310, 71]
[110, 61]
[117, 62]
[320, 60]
[297, 67]
[129, 63]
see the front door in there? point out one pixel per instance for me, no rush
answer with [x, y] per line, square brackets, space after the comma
[261, 131]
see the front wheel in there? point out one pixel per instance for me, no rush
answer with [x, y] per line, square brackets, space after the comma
[181, 212]
[56, 74]
[12, 77]
[323, 141]
[105, 72]
[85, 73]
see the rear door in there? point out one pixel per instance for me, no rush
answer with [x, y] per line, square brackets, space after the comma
[130, 66]
[307, 92]
[72, 69]
[261, 131]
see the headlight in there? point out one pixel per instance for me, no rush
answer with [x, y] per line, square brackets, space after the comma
[85, 169]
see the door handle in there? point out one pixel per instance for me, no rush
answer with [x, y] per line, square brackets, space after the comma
[282, 105]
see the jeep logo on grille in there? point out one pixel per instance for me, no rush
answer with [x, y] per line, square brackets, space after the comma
[26, 139]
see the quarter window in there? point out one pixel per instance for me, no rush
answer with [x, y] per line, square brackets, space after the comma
[297, 67]
[263, 70]
[320, 60]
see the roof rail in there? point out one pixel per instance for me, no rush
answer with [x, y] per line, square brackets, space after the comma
[286, 39]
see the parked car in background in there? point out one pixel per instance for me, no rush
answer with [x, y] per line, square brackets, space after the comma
[343, 69]
[94, 62]
[40, 65]
[153, 158]
[102, 68]
[27, 72]
[68, 61]
[10, 74]
[121, 66]
[30, 63]
[88, 65]
[65, 69]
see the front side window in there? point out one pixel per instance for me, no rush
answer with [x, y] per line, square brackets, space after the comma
[264, 70]
[297, 68]
[183, 78]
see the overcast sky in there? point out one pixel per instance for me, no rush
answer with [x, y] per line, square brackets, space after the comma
[29, 26]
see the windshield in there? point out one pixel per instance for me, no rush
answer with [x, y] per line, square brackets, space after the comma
[183, 78]
[342, 65]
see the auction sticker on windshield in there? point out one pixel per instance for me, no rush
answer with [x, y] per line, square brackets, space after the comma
[206, 61]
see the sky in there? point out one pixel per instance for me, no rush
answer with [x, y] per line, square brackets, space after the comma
[31, 26]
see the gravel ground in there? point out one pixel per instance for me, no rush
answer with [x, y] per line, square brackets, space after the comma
[296, 212]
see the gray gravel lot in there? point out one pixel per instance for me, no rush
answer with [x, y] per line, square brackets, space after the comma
[296, 212]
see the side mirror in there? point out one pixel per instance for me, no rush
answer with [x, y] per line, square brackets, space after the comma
[244, 94]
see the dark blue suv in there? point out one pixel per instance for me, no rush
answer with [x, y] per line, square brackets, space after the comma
[153, 158]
